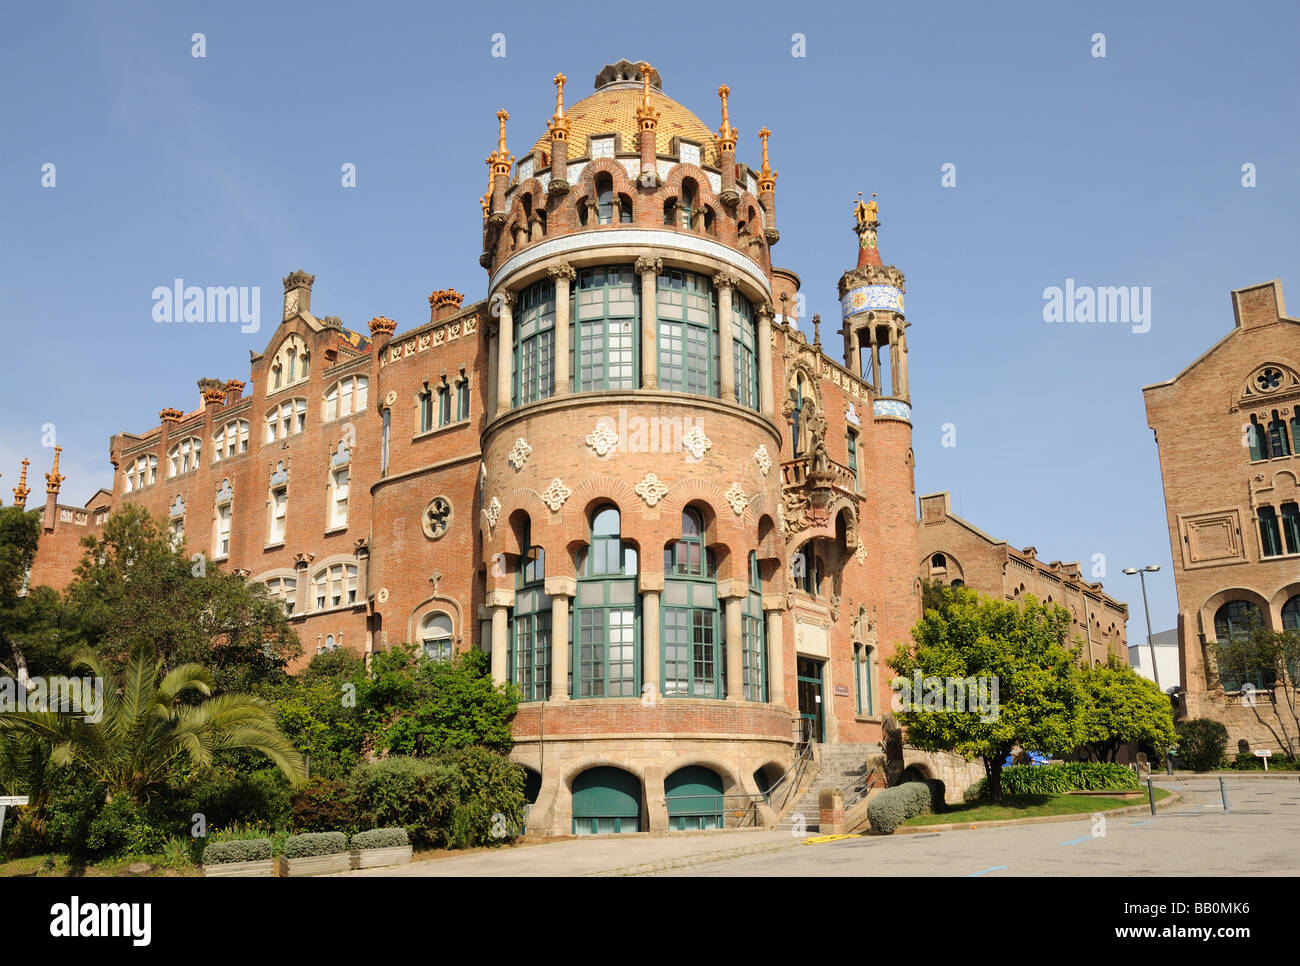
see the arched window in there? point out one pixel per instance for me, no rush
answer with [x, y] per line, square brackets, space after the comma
[530, 636]
[140, 473]
[754, 643]
[224, 512]
[436, 638]
[335, 586]
[690, 639]
[1278, 444]
[938, 562]
[285, 590]
[694, 798]
[1291, 614]
[605, 613]
[606, 800]
[1233, 623]
[604, 198]
[287, 419]
[184, 456]
[230, 439]
[534, 360]
[688, 333]
[796, 415]
[690, 192]
[802, 567]
[606, 310]
[290, 364]
[345, 397]
[744, 339]
[864, 664]
[624, 209]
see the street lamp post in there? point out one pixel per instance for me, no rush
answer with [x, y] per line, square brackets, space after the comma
[1142, 575]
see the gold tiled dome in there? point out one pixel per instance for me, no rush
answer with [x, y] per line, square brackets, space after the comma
[612, 110]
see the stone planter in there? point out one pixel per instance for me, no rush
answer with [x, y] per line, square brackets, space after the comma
[378, 858]
[316, 864]
[262, 867]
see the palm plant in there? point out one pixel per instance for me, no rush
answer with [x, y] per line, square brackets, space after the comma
[143, 730]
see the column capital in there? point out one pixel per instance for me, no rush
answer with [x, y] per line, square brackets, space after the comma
[562, 271]
[651, 583]
[499, 597]
[647, 264]
[774, 602]
[724, 280]
[505, 297]
[764, 310]
[561, 586]
[733, 589]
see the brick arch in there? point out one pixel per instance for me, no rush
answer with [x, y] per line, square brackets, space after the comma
[1205, 613]
[724, 769]
[434, 604]
[590, 493]
[769, 543]
[586, 186]
[516, 499]
[588, 762]
[1284, 593]
[672, 186]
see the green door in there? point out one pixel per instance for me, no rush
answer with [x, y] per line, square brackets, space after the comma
[694, 797]
[810, 696]
[606, 800]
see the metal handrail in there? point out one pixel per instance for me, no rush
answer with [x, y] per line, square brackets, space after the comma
[744, 809]
[794, 775]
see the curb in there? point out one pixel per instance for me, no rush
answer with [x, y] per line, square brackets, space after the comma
[1143, 809]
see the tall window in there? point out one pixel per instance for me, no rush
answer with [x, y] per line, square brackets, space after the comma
[184, 456]
[386, 421]
[291, 364]
[339, 497]
[335, 586]
[1234, 622]
[176, 528]
[462, 399]
[139, 473]
[803, 567]
[1278, 444]
[287, 419]
[230, 440]
[604, 199]
[744, 339]
[797, 415]
[754, 644]
[279, 512]
[605, 312]
[426, 410]
[436, 637]
[285, 590]
[688, 344]
[221, 532]
[853, 459]
[444, 405]
[530, 637]
[1270, 536]
[687, 205]
[1291, 527]
[1258, 439]
[864, 663]
[691, 636]
[605, 614]
[345, 397]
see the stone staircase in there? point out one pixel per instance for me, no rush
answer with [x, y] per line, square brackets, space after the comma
[837, 766]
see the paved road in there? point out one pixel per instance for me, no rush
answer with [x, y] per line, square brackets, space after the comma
[1193, 838]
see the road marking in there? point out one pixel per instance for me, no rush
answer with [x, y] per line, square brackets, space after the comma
[1082, 838]
[1147, 822]
[993, 868]
[817, 840]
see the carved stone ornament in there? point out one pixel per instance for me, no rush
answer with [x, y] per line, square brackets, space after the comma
[493, 512]
[519, 453]
[437, 518]
[555, 495]
[651, 489]
[695, 443]
[861, 553]
[736, 497]
[762, 458]
[602, 440]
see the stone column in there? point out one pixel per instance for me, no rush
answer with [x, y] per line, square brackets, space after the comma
[505, 350]
[726, 339]
[875, 357]
[732, 592]
[854, 341]
[893, 361]
[500, 629]
[652, 587]
[560, 590]
[902, 370]
[774, 609]
[493, 339]
[764, 350]
[648, 268]
[563, 275]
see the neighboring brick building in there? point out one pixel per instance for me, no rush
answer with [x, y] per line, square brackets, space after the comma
[955, 552]
[1227, 429]
[683, 540]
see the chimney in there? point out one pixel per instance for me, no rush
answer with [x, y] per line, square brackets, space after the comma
[53, 480]
[297, 294]
[443, 303]
[213, 393]
[234, 391]
[1258, 304]
[381, 331]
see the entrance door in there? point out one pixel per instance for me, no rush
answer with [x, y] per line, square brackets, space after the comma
[810, 696]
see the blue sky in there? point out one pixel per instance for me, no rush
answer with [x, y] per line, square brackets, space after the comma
[225, 170]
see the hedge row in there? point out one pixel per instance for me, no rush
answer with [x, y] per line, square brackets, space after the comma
[1071, 776]
[894, 806]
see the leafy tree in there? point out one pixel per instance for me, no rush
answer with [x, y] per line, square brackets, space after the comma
[1040, 695]
[1201, 742]
[31, 641]
[134, 589]
[142, 731]
[1272, 657]
[1122, 707]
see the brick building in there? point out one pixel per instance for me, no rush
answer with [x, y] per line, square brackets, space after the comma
[680, 528]
[1227, 428]
[953, 551]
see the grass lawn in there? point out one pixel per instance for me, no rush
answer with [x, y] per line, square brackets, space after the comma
[1029, 806]
[60, 866]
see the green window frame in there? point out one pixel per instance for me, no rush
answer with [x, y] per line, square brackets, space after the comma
[853, 458]
[796, 415]
[529, 657]
[753, 651]
[1291, 526]
[444, 406]
[1232, 622]
[744, 358]
[606, 614]
[687, 310]
[1278, 444]
[605, 336]
[533, 376]
[691, 628]
[462, 400]
[426, 410]
[1270, 536]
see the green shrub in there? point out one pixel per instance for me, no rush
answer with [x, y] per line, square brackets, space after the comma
[938, 794]
[1201, 743]
[225, 797]
[1246, 761]
[120, 829]
[239, 850]
[894, 806]
[1071, 776]
[315, 843]
[976, 792]
[380, 838]
[323, 805]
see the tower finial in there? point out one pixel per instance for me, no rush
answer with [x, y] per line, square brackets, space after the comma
[558, 125]
[817, 330]
[486, 200]
[22, 489]
[646, 114]
[559, 95]
[53, 479]
[766, 177]
[868, 220]
[727, 135]
[502, 117]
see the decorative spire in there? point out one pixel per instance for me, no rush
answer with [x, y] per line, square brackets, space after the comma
[727, 134]
[766, 177]
[868, 220]
[486, 200]
[53, 479]
[382, 325]
[817, 330]
[22, 489]
[646, 115]
[503, 155]
[558, 125]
